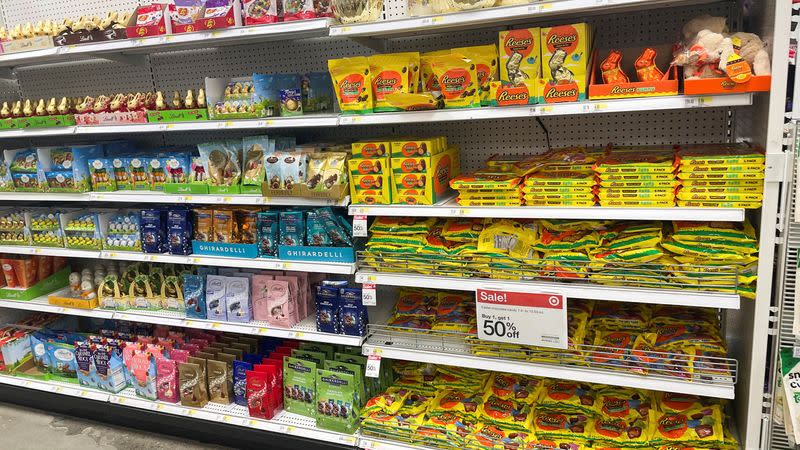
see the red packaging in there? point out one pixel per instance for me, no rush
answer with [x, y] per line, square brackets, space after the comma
[167, 380]
[258, 394]
[290, 344]
[45, 267]
[202, 343]
[191, 348]
[277, 392]
[274, 390]
[255, 13]
[59, 262]
[9, 273]
[179, 355]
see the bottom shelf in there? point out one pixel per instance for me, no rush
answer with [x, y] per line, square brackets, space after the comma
[233, 414]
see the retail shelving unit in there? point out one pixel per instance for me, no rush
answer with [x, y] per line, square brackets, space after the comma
[182, 62]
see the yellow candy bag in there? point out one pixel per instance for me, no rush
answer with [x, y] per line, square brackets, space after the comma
[520, 388]
[455, 401]
[352, 84]
[507, 413]
[617, 402]
[389, 402]
[485, 59]
[458, 81]
[401, 101]
[701, 426]
[616, 431]
[567, 396]
[428, 81]
[392, 73]
[562, 425]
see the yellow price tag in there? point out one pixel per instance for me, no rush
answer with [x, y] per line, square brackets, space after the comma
[465, 211]
[547, 6]
[377, 351]
[160, 407]
[191, 412]
[436, 19]
[227, 199]
[600, 106]
[269, 123]
[371, 278]
[299, 335]
[228, 124]
[252, 423]
[215, 34]
[345, 29]
[190, 323]
[547, 109]
[215, 325]
[84, 393]
[263, 330]
[290, 429]
[112, 255]
[121, 401]
[187, 198]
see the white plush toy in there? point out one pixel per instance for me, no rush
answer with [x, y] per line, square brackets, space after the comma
[704, 22]
[753, 50]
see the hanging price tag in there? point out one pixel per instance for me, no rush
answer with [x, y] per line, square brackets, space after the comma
[359, 226]
[522, 318]
[369, 295]
[373, 368]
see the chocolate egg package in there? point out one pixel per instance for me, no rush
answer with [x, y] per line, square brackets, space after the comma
[194, 296]
[316, 92]
[123, 233]
[179, 231]
[222, 162]
[267, 226]
[255, 149]
[101, 174]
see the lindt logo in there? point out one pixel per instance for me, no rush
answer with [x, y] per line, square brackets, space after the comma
[555, 39]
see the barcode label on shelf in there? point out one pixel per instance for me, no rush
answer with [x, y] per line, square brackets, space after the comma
[369, 295]
[503, 316]
[360, 226]
[373, 368]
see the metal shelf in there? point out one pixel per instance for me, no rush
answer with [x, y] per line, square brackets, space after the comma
[239, 35]
[441, 115]
[557, 109]
[488, 17]
[232, 414]
[306, 330]
[587, 291]
[217, 261]
[159, 197]
[410, 346]
[451, 209]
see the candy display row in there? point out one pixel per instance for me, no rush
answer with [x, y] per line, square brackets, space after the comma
[402, 171]
[649, 340]
[452, 407]
[248, 233]
[701, 175]
[252, 165]
[193, 367]
[716, 256]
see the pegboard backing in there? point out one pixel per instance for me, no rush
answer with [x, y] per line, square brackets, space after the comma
[91, 77]
[22, 11]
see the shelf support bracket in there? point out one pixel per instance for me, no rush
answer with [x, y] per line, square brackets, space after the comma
[132, 60]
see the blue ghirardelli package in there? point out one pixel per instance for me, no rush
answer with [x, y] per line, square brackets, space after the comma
[352, 313]
[153, 225]
[179, 231]
[194, 296]
[240, 369]
[252, 358]
[327, 302]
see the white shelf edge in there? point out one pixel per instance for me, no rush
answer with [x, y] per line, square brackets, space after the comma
[282, 423]
[72, 390]
[374, 443]
[256, 263]
[440, 115]
[154, 44]
[452, 209]
[159, 197]
[40, 304]
[587, 291]
[555, 109]
[575, 373]
[490, 16]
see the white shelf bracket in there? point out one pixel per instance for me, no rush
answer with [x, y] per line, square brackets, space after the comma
[132, 60]
[775, 167]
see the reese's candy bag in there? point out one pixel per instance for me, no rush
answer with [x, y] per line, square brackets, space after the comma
[352, 84]
[458, 80]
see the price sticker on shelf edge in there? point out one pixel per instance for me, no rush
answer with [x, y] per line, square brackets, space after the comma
[522, 317]
[369, 295]
[360, 225]
[373, 369]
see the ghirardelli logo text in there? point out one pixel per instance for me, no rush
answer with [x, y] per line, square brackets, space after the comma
[567, 39]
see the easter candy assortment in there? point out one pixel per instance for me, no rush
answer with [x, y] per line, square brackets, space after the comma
[453, 407]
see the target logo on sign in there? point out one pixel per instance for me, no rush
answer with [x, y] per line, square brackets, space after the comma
[554, 301]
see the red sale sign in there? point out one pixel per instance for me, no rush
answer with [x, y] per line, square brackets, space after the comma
[529, 318]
